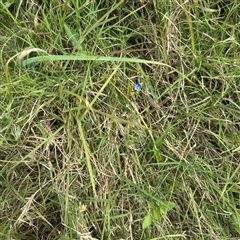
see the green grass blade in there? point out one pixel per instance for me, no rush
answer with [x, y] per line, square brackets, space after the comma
[89, 58]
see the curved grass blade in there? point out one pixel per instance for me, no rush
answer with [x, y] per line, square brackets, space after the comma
[89, 58]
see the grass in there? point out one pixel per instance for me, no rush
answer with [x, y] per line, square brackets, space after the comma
[85, 156]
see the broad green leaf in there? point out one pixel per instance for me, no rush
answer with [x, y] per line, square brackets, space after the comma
[166, 206]
[147, 221]
[157, 213]
[150, 205]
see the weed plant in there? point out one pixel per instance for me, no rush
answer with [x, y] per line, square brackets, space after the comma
[83, 155]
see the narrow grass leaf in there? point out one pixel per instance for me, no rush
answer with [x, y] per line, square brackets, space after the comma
[157, 154]
[84, 57]
[27, 51]
[100, 91]
[40, 145]
[88, 160]
[236, 149]
[159, 141]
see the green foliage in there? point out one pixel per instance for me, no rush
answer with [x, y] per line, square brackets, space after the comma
[147, 221]
[85, 155]
[7, 4]
[157, 210]
[158, 143]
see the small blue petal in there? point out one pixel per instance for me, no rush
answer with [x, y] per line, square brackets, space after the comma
[138, 86]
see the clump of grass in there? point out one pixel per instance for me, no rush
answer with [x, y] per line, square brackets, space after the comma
[85, 156]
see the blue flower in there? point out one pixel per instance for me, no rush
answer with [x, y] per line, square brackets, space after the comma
[137, 86]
